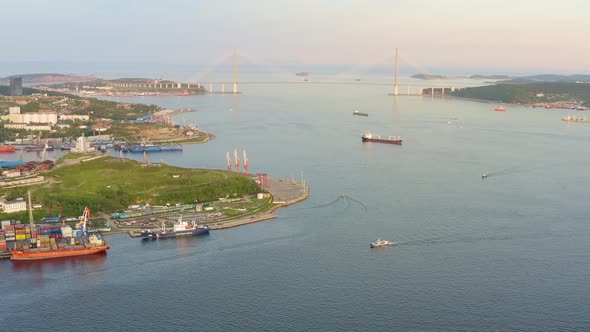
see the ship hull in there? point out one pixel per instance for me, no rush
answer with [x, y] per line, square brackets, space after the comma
[38, 255]
[193, 232]
[7, 148]
[380, 140]
[136, 149]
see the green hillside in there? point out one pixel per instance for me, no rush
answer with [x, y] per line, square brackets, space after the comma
[527, 93]
[108, 184]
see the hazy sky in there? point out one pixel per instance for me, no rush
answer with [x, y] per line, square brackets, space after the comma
[499, 34]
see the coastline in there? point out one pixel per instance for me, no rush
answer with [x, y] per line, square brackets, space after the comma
[284, 193]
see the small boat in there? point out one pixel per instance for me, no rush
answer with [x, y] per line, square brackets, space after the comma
[382, 243]
[483, 176]
[574, 119]
[7, 148]
[360, 113]
[500, 109]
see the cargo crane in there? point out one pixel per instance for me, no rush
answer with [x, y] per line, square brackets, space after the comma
[84, 220]
[237, 160]
[31, 221]
[42, 157]
[246, 164]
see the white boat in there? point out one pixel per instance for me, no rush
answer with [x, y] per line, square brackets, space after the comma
[382, 243]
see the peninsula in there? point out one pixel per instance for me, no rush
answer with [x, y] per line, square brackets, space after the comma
[120, 191]
[71, 116]
[129, 87]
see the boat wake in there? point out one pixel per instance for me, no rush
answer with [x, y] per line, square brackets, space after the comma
[505, 171]
[344, 198]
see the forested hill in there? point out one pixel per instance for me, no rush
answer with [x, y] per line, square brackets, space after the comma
[528, 93]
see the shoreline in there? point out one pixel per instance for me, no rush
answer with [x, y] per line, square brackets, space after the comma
[279, 201]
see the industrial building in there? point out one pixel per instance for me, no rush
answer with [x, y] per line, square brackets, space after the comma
[16, 205]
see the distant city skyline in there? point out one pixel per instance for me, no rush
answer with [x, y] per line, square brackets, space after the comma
[433, 36]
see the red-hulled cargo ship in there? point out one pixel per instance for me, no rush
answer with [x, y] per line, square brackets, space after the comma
[39, 253]
[368, 137]
[86, 243]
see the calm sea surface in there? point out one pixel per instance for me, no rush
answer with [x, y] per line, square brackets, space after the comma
[506, 253]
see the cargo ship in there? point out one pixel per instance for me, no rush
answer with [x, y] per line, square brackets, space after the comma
[151, 148]
[181, 228]
[368, 137]
[39, 148]
[52, 244]
[7, 148]
[10, 164]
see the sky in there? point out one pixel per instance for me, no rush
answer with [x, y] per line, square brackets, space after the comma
[536, 36]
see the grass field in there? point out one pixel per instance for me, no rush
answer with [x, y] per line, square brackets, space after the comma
[110, 184]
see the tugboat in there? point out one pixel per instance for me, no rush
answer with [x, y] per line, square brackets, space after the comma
[181, 228]
[368, 137]
[382, 243]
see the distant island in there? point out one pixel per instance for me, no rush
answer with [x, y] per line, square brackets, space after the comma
[576, 78]
[47, 78]
[474, 77]
[428, 77]
[490, 77]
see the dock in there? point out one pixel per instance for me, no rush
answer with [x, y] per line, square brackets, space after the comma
[284, 193]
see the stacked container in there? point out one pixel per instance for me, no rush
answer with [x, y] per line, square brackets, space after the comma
[43, 241]
[2, 240]
[10, 233]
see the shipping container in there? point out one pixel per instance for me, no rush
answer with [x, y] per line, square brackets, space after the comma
[52, 219]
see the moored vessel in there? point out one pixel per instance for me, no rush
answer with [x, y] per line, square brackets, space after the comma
[180, 228]
[382, 243]
[7, 148]
[48, 246]
[368, 137]
[152, 148]
[10, 164]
